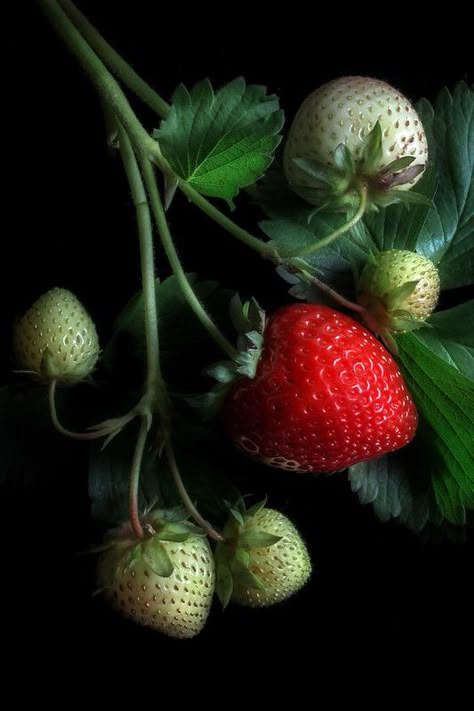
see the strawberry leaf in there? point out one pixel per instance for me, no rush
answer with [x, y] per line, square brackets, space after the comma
[445, 400]
[396, 226]
[334, 264]
[178, 326]
[451, 337]
[220, 142]
[447, 236]
[398, 487]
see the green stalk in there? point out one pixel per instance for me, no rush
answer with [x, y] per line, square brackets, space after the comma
[98, 73]
[150, 97]
[263, 248]
[185, 496]
[134, 478]
[114, 61]
[175, 263]
[340, 230]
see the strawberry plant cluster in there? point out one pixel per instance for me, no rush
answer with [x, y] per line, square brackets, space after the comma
[366, 211]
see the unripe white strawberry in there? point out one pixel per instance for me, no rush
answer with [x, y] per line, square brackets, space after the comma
[344, 112]
[56, 338]
[164, 584]
[263, 561]
[399, 289]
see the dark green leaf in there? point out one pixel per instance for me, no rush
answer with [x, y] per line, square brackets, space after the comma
[447, 236]
[219, 142]
[396, 226]
[334, 264]
[451, 337]
[179, 326]
[398, 486]
[445, 400]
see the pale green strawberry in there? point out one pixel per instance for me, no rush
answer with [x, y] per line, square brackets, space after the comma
[163, 584]
[56, 338]
[343, 113]
[264, 560]
[399, 288]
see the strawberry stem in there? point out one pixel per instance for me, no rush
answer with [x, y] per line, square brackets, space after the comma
[114, 61]
[340, 230]
[175, 263]
[134, 481]
[326, 289]
[140, 138]
[193, 512]
[103, 430]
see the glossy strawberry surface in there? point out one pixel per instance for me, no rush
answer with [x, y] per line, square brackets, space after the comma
[326, 395]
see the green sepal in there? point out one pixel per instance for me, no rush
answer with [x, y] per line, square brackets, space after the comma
[371, 150]
[397, 164]
[322, 176]
[237, 515]
[224, 577]
[343, 160]
[256, 508]
[179, 532]
[243, 576]
[256, 538]
[398, 295]
[154, 554]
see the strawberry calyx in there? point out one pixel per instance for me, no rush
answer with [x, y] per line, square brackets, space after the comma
[337, 186]
[248, 319]
[158, 525]
[234, 556]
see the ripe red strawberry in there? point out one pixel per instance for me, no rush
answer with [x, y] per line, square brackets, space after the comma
[326, 395]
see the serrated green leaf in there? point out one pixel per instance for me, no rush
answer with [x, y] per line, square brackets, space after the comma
[451, 337]
[155, 555]
[220, 142]
[395, 226]
[256, 538]
[445, 400]
[398, 486]
[447, 237]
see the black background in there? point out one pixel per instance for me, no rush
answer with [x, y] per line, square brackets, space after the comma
[68, 222]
